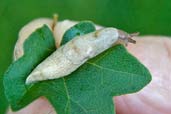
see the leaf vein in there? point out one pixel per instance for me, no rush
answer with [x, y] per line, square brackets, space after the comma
[67, 93]
[101, 67]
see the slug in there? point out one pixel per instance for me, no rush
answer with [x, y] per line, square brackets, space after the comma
[76, 52]
[73, 54]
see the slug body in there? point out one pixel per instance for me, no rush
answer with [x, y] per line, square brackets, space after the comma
[73, 54]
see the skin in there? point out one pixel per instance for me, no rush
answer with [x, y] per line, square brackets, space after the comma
[155, 53]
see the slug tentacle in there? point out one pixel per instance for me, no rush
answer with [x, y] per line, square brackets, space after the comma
[125, 38]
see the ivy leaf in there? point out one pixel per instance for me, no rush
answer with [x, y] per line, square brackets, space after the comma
[88, 90]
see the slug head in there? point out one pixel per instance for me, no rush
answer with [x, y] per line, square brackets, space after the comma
[125, 38]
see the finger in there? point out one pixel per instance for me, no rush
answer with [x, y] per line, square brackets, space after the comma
[155, 98]
[40, 106]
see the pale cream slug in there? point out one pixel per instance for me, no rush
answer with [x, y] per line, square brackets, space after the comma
[72, 55]
[76, 52]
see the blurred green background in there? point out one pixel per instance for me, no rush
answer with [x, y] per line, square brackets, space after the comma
[144, 16]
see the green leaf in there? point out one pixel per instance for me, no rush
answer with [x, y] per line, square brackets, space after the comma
[36, 48]
[88, 90]
[79, 29]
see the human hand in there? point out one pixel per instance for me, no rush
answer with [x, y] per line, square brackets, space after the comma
[155, 53]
